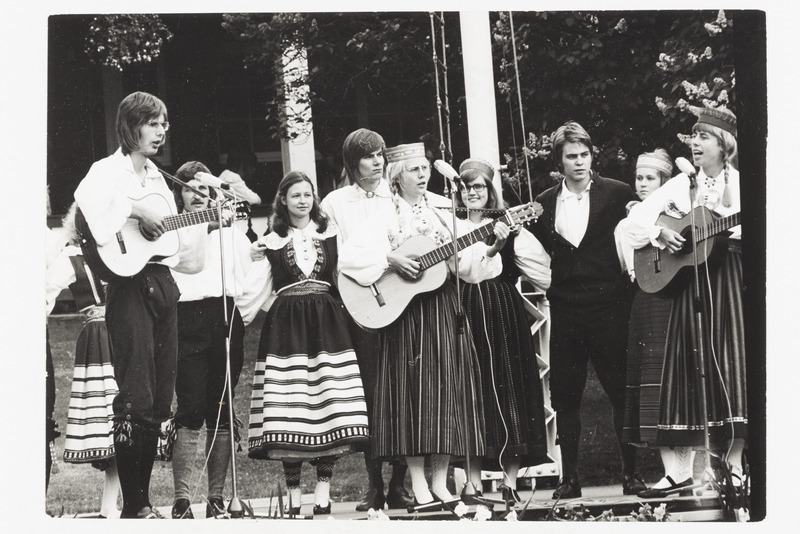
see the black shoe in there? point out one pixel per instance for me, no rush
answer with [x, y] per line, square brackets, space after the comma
[660, 493]
[216, 508]
[182, 509]
[398, 498]
[633, 485]
[293, 511]
[373, 499]
[322, 510]
[568, 488]
[510, 495]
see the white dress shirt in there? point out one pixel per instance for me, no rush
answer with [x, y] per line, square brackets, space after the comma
[572, 214]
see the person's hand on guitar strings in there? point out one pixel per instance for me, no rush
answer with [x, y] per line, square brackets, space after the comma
[671, 239]
[151, 221]
[405, 266]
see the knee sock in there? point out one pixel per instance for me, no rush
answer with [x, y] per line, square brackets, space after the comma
[439, 465]
[147, 457]
[398, 476]
[734, 458]
[184, 452]
[291, 472]
[111, 490]
[682, 464]
[218, 458]
[416, 469]
[127, 457]
[322, 490]
[511, 471]
[474, 475]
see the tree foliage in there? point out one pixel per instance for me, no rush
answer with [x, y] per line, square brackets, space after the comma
[629, 77]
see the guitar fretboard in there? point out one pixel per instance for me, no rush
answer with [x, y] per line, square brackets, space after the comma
[719, 225]
[445, 251]
[189, 218]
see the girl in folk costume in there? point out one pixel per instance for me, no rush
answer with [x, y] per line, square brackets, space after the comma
[428, 400]
[89, 435]
[512, 391]
[680, 416]
[647, 328]
[307, 401]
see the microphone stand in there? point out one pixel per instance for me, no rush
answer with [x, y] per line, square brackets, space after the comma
[469, 494]
[235, 508]
[698, 321]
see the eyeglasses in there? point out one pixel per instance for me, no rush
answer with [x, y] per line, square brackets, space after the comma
[156, 124]
[419, 168]
[477, 187]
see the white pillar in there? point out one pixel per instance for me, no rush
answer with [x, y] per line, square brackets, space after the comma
[476, 43]
[298, 153]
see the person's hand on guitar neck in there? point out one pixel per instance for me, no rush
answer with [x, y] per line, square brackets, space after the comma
[501, 233]
[151, 221]
[227, 219]
[405, 266]
[672, 240]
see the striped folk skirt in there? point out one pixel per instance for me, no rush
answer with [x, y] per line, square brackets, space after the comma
[307, 399]
[89, 435]
[428, 396]
[511, 387]
[680, 421]
[647, 339]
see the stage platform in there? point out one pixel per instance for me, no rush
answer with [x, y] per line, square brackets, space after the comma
[595, 501]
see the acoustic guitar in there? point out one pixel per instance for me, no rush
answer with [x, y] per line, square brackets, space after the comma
[657, 270]
[133, 248]
[381, 303]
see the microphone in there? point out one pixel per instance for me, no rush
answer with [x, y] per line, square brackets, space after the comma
[688, 169]
[210, 180]
[446, 170]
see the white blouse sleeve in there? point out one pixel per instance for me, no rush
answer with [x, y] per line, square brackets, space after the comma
[473, 264]
[257, 290]
[639, 227]
[532, 260]
[362, 256]
[104, 205]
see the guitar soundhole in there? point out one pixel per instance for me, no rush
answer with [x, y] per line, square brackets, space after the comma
[687, 244]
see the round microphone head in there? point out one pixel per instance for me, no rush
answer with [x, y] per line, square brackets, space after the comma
[685, 167]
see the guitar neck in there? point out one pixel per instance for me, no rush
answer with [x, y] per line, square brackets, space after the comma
[445, 251]
[190, 218]
[718, 226]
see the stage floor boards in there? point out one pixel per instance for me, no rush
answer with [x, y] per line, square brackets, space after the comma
[595, 501]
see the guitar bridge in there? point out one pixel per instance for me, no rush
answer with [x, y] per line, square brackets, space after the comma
[121, 243]
[377, 295]
[657, 259]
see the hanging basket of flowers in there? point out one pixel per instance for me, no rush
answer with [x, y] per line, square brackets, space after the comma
[121, 40]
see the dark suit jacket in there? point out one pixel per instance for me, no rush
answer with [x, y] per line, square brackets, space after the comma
[589, 275]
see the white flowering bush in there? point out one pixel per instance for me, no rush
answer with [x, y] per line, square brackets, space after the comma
[121, 40]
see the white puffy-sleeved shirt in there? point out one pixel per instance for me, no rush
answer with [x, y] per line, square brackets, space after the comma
[59, 274]
[672, 198]
[349, 207]
[530, 256]
[363, 255]
[259, 291]
[105, 195]
[208, 282]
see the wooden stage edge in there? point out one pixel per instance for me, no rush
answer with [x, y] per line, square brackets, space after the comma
[595, 500]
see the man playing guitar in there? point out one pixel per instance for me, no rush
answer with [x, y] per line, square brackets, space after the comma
[141, 309]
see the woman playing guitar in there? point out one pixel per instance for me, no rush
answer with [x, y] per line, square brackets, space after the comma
[680, 418]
